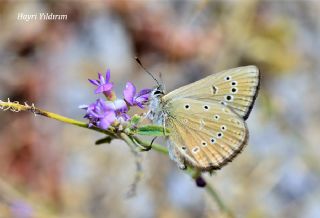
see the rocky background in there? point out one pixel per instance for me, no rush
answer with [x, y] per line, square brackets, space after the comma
[49, 169]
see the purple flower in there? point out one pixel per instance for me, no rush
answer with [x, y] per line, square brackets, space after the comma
[103, 84]
[105, 113]
[132, 99]
[120, 109]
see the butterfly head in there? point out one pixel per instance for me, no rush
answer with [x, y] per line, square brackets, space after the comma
[158, 92]
[156, 104]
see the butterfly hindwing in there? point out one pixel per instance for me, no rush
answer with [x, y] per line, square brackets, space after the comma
[236, 88]
[206, 135]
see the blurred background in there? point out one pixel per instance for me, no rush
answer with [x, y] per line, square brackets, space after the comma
[50, 169]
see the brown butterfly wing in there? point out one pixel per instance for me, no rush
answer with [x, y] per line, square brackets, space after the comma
[206, 135]
[236, 88]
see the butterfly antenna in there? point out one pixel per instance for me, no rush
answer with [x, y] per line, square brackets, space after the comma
[139, 62]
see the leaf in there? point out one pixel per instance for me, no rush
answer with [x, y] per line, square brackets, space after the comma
[152, 130]
[135, 119]
[106, 140]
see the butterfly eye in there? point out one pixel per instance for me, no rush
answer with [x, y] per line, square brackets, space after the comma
[206, 107]
[157, 92]
[187, 106]
[216, 117]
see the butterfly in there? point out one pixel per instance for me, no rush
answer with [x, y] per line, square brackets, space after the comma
[206, 118]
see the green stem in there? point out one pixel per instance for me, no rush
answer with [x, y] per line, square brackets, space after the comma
[194, 173]
[212, 192]
[16, 107]
[73, 122]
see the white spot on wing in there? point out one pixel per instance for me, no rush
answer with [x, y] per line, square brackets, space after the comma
[223, 127]
[212, 140]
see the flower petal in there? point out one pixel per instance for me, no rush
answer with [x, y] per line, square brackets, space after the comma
[108, 75]
[101, 78]
[103, 84]
[83, 106]
[107, 120]
[98, 90]
[142, 97]
[109, 106]
[126, 117]
[120, 106]
[144, 92]
[140, 105]
[104, 88]
[129, 93]
[94, 82]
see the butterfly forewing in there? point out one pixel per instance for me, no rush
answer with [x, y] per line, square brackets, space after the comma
[236, 88]
[206, 134]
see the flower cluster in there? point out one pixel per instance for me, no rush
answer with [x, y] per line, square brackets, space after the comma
[113, 111]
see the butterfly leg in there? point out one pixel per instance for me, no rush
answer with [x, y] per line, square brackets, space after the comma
[163, 120]
[147, 148]
[164, 127]
[175, 155]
